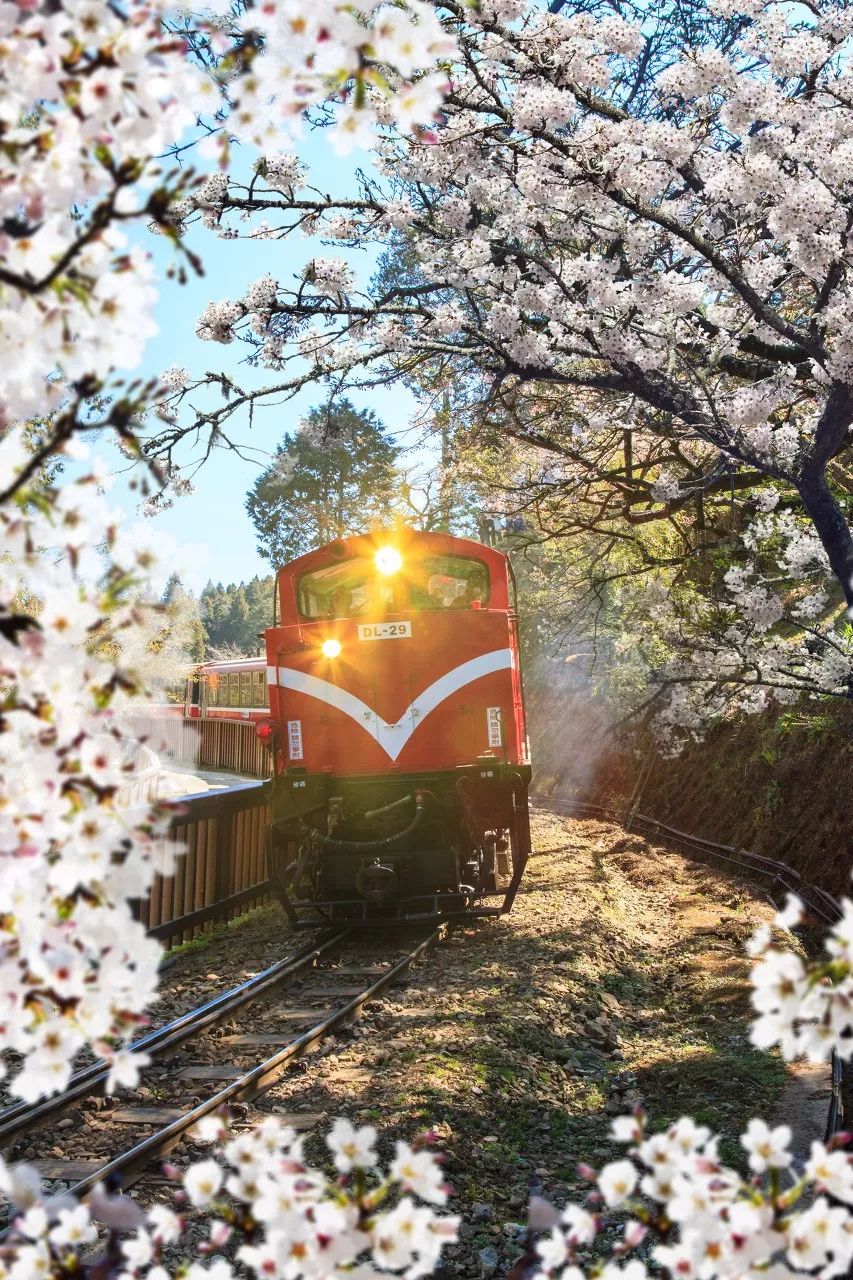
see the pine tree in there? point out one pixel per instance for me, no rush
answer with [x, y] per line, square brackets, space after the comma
[184, 629]
[259, 597]
[214, 603]
[236, 615]
[333, 478]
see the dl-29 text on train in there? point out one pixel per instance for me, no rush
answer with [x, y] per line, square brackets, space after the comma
[391, 702]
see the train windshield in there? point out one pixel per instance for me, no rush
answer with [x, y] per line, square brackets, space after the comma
[354, 588]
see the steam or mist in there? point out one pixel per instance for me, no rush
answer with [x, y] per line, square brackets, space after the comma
[574, 751]
[167, 744]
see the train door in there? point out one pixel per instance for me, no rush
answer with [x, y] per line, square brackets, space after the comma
[192, 698]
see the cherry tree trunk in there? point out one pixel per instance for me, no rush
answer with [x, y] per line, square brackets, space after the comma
[831, 525]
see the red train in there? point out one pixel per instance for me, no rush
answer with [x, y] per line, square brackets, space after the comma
[396, 726]
[234, 690]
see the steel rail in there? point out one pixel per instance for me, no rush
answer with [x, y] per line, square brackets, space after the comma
[250, 1085]
[21, 1117]
[820, 903]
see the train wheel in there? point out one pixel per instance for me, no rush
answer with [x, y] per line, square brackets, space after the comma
[489, 866]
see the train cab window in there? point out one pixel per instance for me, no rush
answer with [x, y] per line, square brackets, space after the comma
[338, 591]
[353, 588]
[450, 582]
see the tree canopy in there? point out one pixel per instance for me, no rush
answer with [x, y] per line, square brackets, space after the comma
[626, 244]
[236, 615]
[333, 477]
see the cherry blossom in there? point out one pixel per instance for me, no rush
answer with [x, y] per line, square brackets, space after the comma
[202, 1181]
[351, 1146]
[419, 1172]
[257, 1203]
[617, 1181]
[93, 94]
[697, 1218]
[768, 1148]
[630, 219]
[804, 1006]
[77, 966]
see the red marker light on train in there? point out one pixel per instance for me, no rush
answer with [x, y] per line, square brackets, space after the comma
[265, 730]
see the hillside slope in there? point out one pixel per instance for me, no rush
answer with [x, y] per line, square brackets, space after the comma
[780, 784]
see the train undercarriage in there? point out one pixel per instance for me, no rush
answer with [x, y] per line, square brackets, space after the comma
[414, 847]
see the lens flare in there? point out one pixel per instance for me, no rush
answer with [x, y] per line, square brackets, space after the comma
[331, 648]
[388, 560]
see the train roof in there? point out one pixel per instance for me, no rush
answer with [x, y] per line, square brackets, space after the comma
[365, 544]
[258, 663]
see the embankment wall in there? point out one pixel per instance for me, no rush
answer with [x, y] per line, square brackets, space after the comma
[780, 784]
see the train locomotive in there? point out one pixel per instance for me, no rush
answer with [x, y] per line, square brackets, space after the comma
[400, 766]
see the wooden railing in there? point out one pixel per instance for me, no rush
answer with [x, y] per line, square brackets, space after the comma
[224, 869]
[208, 744]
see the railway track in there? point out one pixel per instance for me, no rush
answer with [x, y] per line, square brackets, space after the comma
[91, 1080]
[283, 996]
[304, 1014]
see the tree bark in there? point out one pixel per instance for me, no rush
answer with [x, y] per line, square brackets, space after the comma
[831, 525]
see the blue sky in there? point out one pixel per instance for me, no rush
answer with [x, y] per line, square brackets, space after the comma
[208, 535]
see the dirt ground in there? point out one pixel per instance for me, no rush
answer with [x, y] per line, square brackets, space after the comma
[619, 978]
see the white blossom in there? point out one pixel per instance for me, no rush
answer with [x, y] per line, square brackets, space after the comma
[329, 276]
[351, 1146]
[616, 1181]
[202, 1181]
[175, 378]
[768, 1148]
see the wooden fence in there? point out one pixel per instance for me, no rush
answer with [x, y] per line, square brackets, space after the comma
[208, 744]
[224, 869]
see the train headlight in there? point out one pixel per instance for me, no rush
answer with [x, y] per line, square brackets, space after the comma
[330, 648]
[388, 560]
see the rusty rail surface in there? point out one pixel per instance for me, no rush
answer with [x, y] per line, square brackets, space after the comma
[224, 868]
